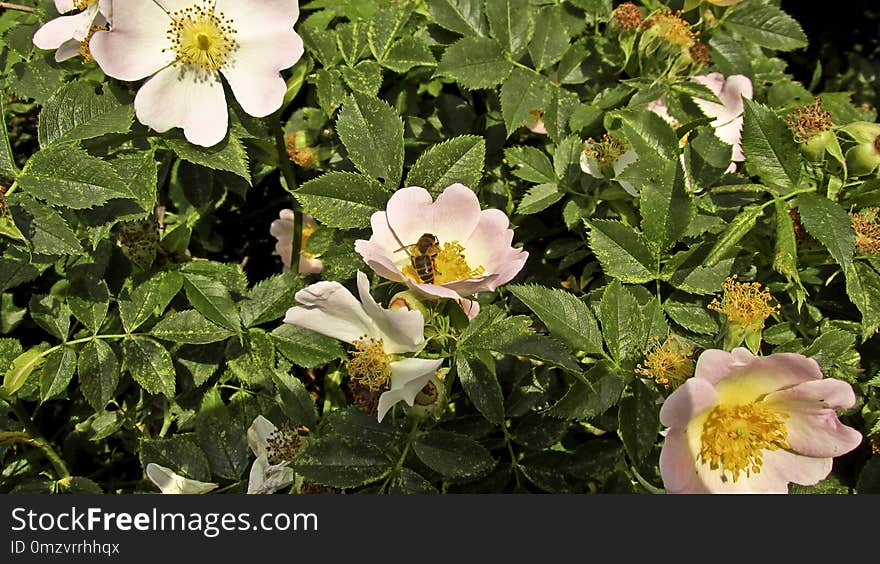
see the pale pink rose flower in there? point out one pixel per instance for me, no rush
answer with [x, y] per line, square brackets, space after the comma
[66, 33]
[185, 46]
[330, 309]
[477, 252]
[282, 229]
[747, 424]
[728, 115]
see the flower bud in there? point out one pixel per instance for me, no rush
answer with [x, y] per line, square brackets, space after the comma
[814, 149]
[407, 300]
[431, 401]
[863, 159]
[862, 131]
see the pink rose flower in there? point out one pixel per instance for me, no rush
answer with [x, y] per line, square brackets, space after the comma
[282, 229]
[67, 33]
[473, 251]
[728, 114]
[747, 424]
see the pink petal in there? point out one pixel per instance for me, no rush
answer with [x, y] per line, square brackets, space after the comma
[713, 365]
[794, 467]
[408, 214]
[690, 399]
[134, 48]
[378, 258]
[403, 329]
[677, 465]
[330, 309]
[282, 229]
[184, 96]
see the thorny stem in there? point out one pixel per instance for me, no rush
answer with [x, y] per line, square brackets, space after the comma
[19, 7]
[34, 438]
[290, 180]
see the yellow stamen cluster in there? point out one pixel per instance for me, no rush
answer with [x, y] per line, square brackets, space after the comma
[369, 364]
[735, 437]
[605, 151]
[866, 224]
[202, 36]
[808, 120]
[83, 4]
[298, 152]
[450, 265]
[84, 51]
[744, 303]
[628, 16]
[282, 444]
[669, 364]
[672, 28]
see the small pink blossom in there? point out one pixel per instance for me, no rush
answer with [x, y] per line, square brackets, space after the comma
[282, 229]
[728, 115]
[747, 424]
[67, 32]
[476, 255]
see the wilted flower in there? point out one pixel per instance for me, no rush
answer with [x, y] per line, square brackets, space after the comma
[745, 306]
[810, 125]
[472, 251]
[747, 424]
[282, 229]
[606, 158]
[627, 16]
[866, 224]
[274, 448]
[728, 115]
[70, 34]
[170, 482]
[186, 45]
[378, 335]
[669, 363]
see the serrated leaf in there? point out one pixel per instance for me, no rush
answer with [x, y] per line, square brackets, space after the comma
[46, 231]
[566, 317]
[407, 53]
[150, 365]
[590, 397]
[342, 463]
[180, 453]
[454, 456]
[532, 164]
[251, 359]
[88, 295]
[228, 155]
[511, 23]
[222, 437]
[148, 298]
[410, 482]
[98, 373]
[51, 314]
[56, 372]
[331, 90]
[475, 62]
[733, 233]
[622, 251]
[365, 77]
[305, 348]
[785, 249]
[482, 387]
[8, 167]
[351, 39]
[461, 16]
[270, 299]
[829, 223]
[767, 26]
[693, 317]
[550, 40]
[385, 26]
[863, 289]
[372, 132]
[538, 198]
[16, 374]
[343, 200]
[190, 327]
[771, 152]
[212, 299]
[621, 319]
[78, 111]
[638, 420]
[523, 93]
[459, 159]
[686, 270]
[666, 206]
[65, 175]
[294, 399]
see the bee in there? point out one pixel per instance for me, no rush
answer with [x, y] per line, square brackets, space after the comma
[422, 255]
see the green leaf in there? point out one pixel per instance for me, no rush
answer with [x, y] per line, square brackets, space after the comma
[733, 234]
[530, 163]
[46, 231]
[343, 200]
[57, 371]
[351, 38]
[88, 295]
[270, 299]
[78, 111]
[139, 172]
[693, 317]
[189, 327]
[650, 136]
[98, 372]
[829, 223]
[65, 175]
[538, 198]
[410, 482]
[767, 26]
[407, 53]
[294, 399]
[622, 251]
[863, 288]
[461, 16]
[785, 255]
[638, 420]
[566, 317]
[150, 365]
[372, 132]
[51, 314]
[179, 453]
[523, 92]
[341, 463]
[365, 77]
[330, 90]
[7, 161]
[305, 348]
[511, 23]
[222, 437]
[386, 25]
[456, 457]
[251, 359]
[482, 387]
[475, 62]
[621, 319]
[771, 152]
[459, 159]
[151, 297]
[686, 272]
[212, 299]
[21, 367]
[592, 396]
[550, 40]
[228, 155]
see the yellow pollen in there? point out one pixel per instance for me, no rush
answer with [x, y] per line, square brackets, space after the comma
[84, 51]
[605, 151]
[744, 303]
[735, 437]
[83, 4]
[450, 265]
[669, 364]
[369, 363]
[202, 36]
[672, 28]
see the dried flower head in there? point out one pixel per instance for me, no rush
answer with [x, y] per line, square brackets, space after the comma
[866, 224]
[628, 16]
[809, 120]
[745, 304]
[282, 444]
[669, 363]
[699, 52]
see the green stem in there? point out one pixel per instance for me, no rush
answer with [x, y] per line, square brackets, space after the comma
[34, 438]
[409, 441]
[78, 341]
[290, 180]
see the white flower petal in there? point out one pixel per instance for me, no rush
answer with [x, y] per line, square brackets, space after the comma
[64, 6]
[170, 482]
[134, 48]
[258, 434]
[265, 478]
[330, 309]
[55, 32]
[184, 96]
[403, 330]
[408, 377]
[67, 50]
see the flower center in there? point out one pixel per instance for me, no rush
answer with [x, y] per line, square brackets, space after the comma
[282, 444]
[672, 28]
[735, 437]
[669, 364]
[83, 4]
[606, 151]
[201, 36]
[84, 51]
[449, 265]
[369, 363]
